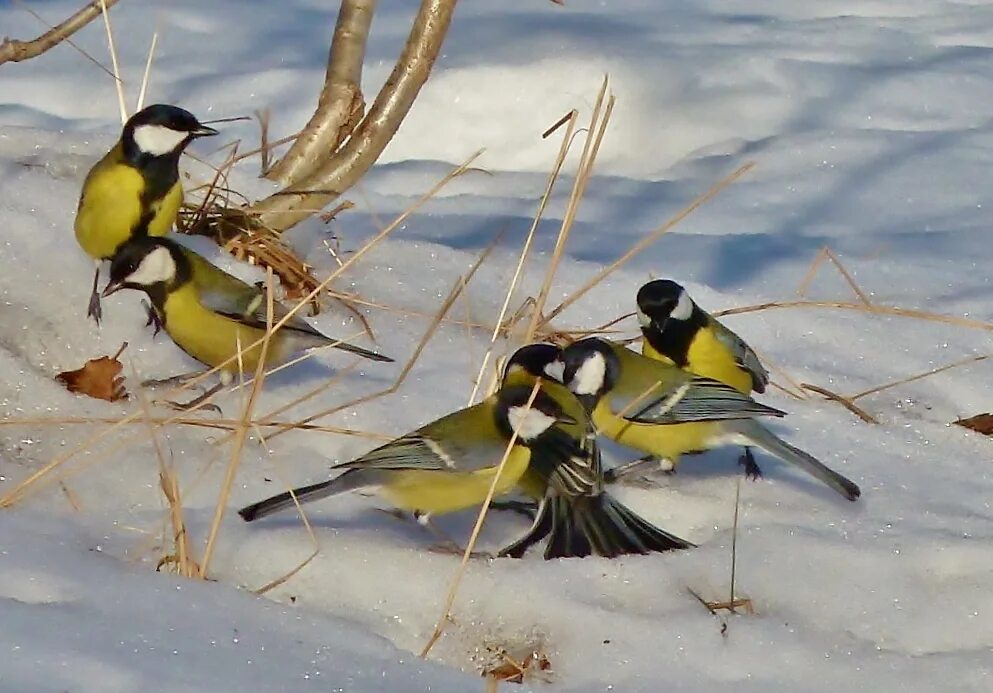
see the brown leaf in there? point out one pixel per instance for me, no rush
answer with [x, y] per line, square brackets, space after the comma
[980, 423]
[98, 378]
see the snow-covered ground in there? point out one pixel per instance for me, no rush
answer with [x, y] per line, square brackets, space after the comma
[870, 126]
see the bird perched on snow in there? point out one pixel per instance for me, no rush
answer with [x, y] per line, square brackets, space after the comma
[134, 190]
[666, 412]
[677, 331]
[208, 316]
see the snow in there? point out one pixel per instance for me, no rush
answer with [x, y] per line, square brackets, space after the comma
[869, 125]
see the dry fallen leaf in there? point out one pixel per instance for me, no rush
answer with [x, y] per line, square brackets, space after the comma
[534, 664]
[980, 423]
[98, 378]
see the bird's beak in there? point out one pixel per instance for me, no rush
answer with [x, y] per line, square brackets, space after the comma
[203, 131]
[112, 288]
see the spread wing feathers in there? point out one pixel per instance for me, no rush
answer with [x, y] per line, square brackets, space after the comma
[596, 525]
[744, 356]
[699, 399]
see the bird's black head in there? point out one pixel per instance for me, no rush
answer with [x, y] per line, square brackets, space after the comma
[161, 130]
[662, 300]
[590, 370]
[539, 360]
[150, 264]
[531, 423]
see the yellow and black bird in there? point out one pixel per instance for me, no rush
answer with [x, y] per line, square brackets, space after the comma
[209, 324]
[667, 412]
[677, 331]
[449, 465]
[134, 190]
[574, 511]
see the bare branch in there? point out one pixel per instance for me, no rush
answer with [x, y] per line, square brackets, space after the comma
[12, 50]
[341, 106]
[336, 174]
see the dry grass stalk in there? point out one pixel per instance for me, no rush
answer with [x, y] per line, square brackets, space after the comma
[13, 50]
[160, 421]
[446, 614]
[843, 401]
[460, 283]
[919, 376]
[873, 308]
[181, 556]
[823, 254]
[594, 136]
[650, 238]
[113, 61]
[570, 119]
[148, 72]
[241, 433]
[71, 497]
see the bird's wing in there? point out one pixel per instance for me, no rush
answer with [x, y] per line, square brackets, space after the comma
[697, 399]
[463, 441]
[570, 466]
[744, 356]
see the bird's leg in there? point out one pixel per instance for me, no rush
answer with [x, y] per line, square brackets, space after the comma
[747, 460]
[613, 475]
[153, 318]
[173, 380]
[94, 310]
[447, 545]
[186, 406]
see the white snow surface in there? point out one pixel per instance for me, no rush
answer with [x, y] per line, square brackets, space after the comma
[870, 126]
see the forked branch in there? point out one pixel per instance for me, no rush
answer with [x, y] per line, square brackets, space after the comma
[341, 170]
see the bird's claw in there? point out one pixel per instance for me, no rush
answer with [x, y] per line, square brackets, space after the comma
[747, 460]
[94, 309]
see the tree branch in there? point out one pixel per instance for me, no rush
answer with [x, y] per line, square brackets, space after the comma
[12, 50]
[341, 106]
[288, 207]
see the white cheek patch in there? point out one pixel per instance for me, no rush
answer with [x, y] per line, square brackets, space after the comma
[684, 307]
[555, 370]
[588, 379]
[157, 266]
[643, 319]
[529, 423]
[158, 139]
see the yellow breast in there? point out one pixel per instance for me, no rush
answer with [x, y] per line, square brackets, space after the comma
[440, 492]
[110, 208]
[710, 358]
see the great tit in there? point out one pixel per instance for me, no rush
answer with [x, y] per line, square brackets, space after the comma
[134, 190]
[677, 331]
[210, 329]
[449, 464]
[579, 517]
[680, 413]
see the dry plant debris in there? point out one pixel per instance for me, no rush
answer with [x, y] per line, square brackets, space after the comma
[980, 423]
[534, 664]
[99, 378]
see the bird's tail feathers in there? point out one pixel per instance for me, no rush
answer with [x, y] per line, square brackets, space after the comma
[762, 437]
[349, 481]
